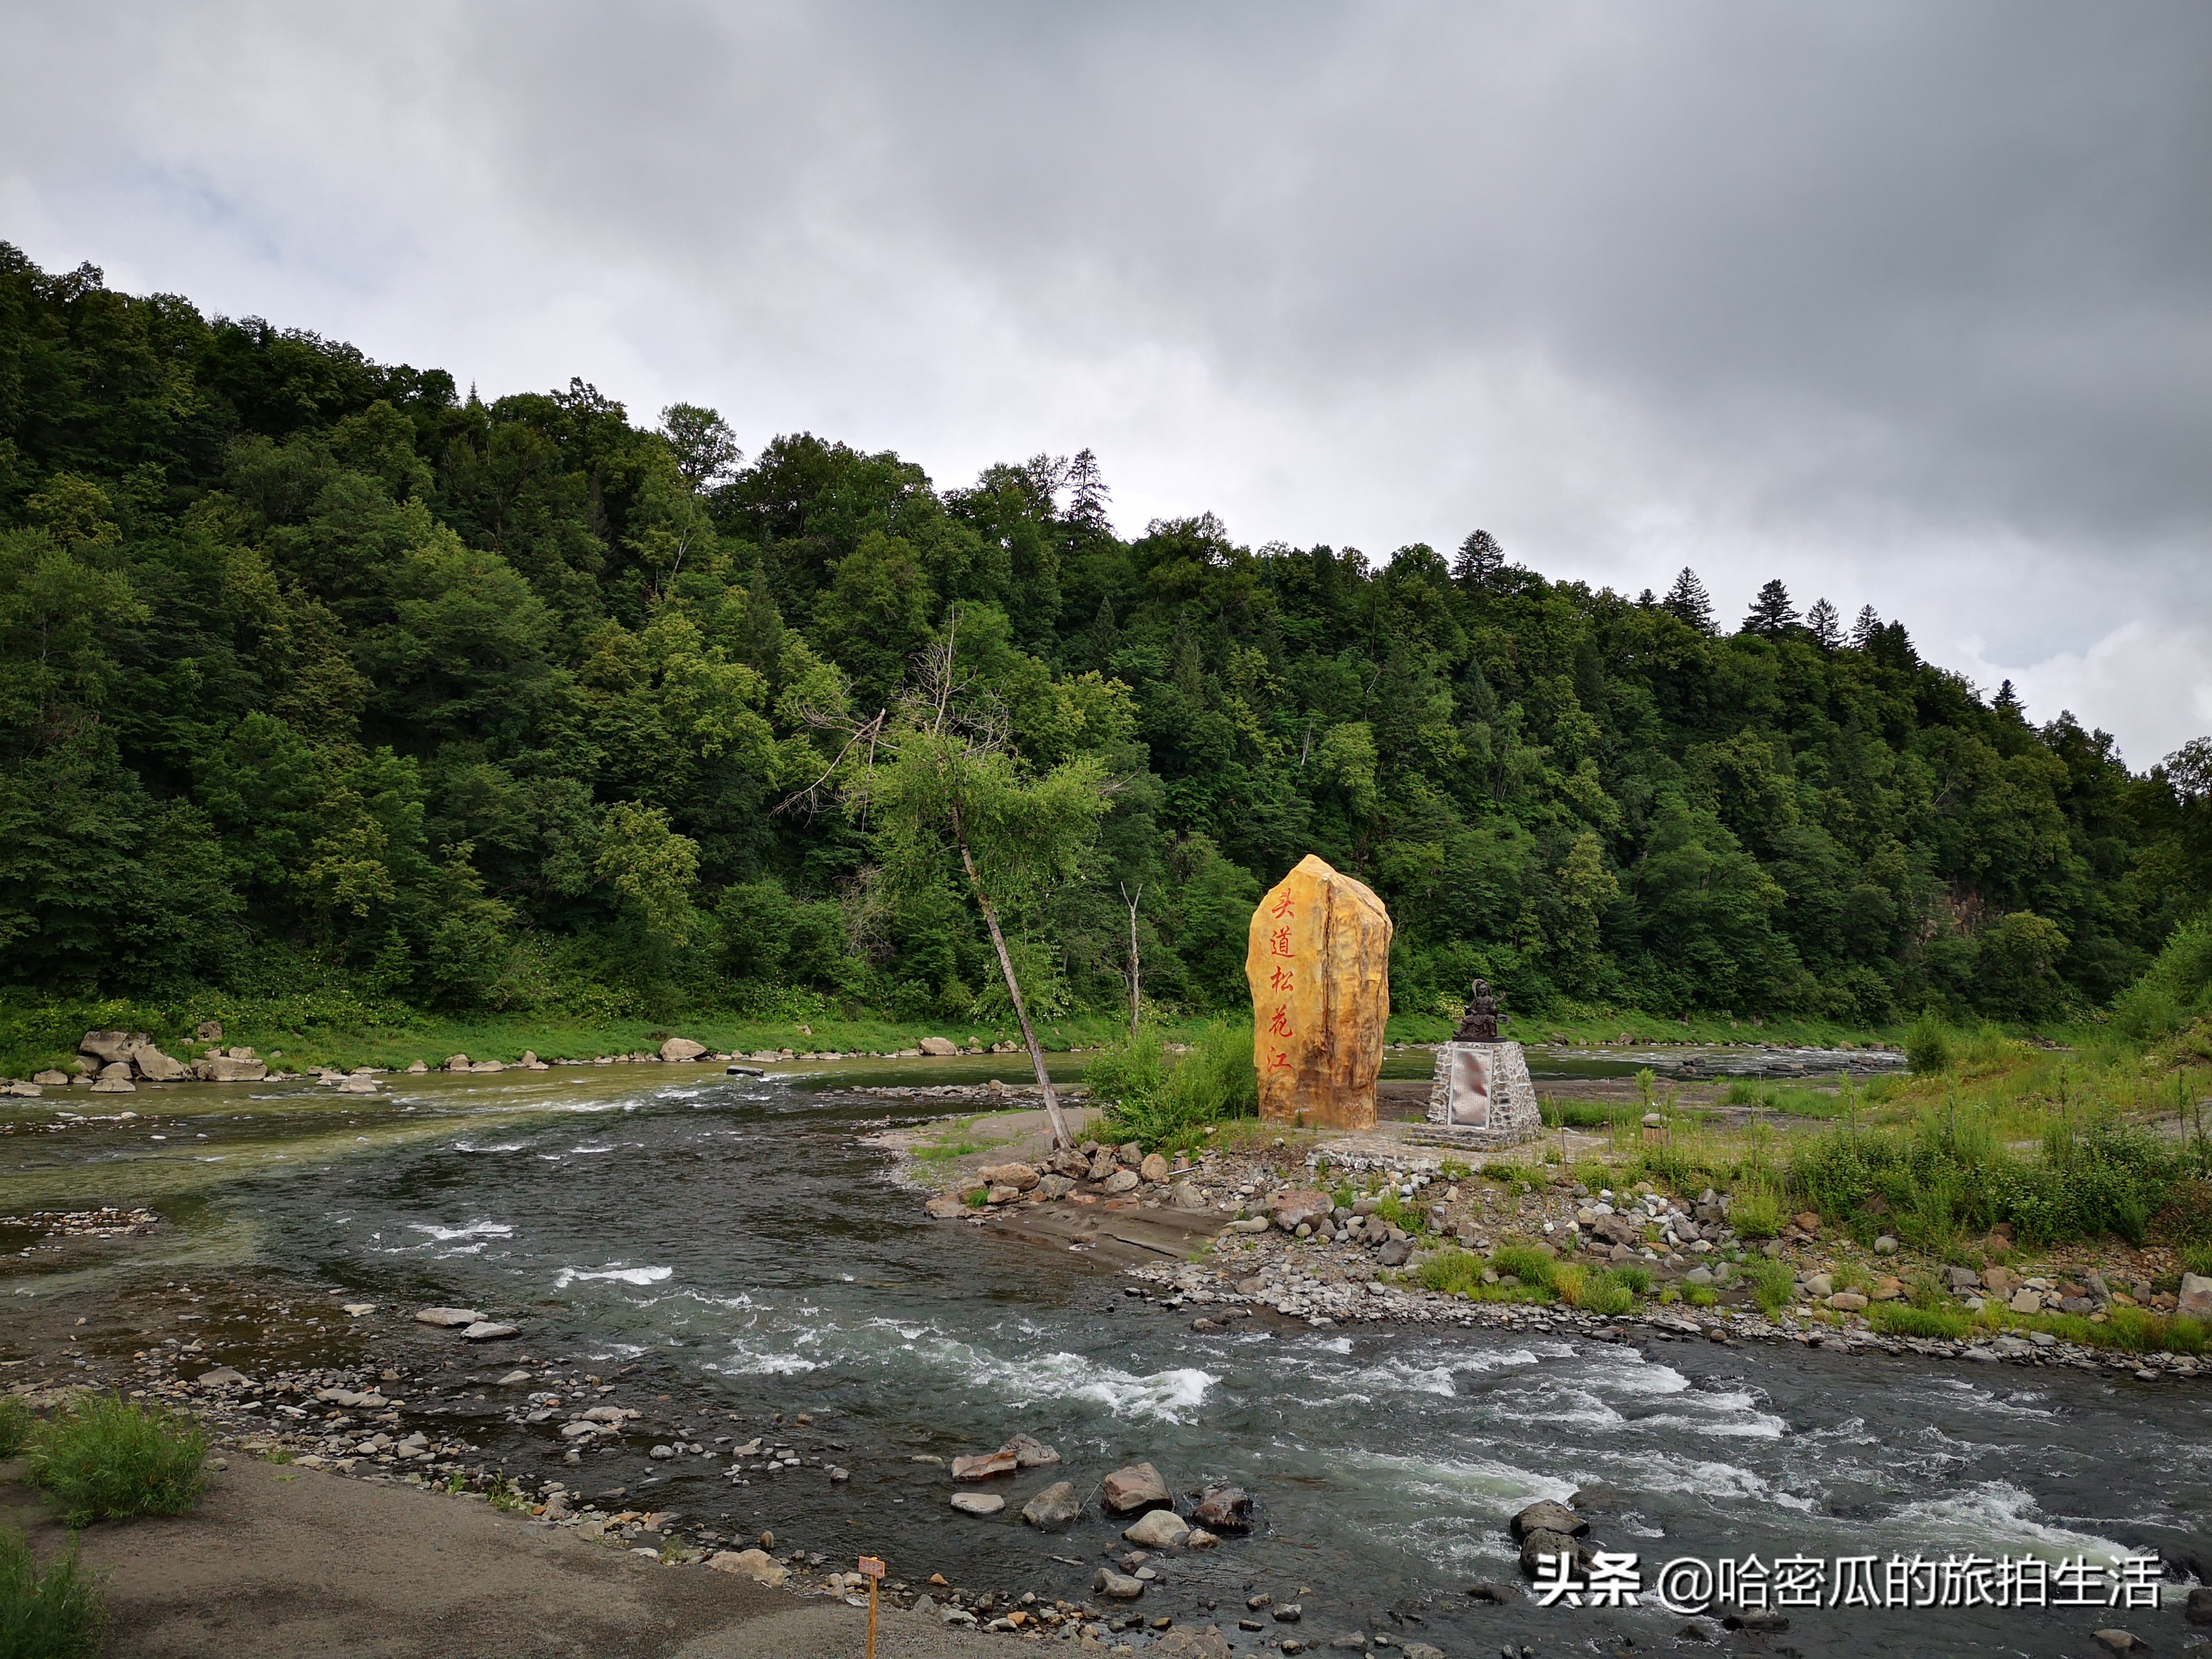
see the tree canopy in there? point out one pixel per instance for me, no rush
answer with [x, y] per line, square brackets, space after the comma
[310, 663]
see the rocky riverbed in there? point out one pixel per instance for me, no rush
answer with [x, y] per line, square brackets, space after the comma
[726, 1256]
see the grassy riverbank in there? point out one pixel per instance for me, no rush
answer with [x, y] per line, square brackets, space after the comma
[345, 1027]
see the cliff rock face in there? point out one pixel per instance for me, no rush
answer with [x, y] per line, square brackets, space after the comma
[1318, 963]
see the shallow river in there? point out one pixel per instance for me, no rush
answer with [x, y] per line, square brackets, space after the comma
[734, 1239]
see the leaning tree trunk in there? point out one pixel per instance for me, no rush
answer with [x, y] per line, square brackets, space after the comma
[1136, 968]
[1061, 1139]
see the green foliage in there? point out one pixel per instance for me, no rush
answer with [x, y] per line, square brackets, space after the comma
[1163, 1101]
[105, 1459]
[1526, 1263]
[1905, 1319]
[15, 1422]
[1755, 1212]
[56, 1614]
[1947, 1173]
[1459, 1273]
[474, 706]
[1771, 1286]
[1927, 1047]
[1606, 1294]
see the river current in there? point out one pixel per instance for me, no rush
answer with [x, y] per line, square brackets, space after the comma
[737, 1240]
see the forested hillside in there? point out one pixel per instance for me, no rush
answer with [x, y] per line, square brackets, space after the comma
[313, 666]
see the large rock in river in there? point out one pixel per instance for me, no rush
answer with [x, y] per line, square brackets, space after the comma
[1055, 1506]
[1138, 1486]
[675, 1050]
[1317, 959]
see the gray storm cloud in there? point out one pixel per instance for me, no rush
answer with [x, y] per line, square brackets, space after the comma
[1907, 304]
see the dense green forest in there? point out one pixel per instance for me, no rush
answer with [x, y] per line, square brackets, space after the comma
[312, 668]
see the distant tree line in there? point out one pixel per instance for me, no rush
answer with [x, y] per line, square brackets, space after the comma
[312, 666]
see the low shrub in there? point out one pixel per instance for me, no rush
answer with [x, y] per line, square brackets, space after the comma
[1903, 1319]
[1526, 1263]
[1927, 1047]
[105, 1459]
[1701, 1296]
[1755, 1212]
[1772, 1286]
[55, 1614]
[1162, 1101]
[1602, 1293]
[1636, 1276]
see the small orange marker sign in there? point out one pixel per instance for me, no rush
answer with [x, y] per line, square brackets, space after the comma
[872, 1569]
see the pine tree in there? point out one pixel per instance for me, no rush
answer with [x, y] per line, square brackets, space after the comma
[1823, 623]
[1865, 630]
[1646, 600]
[1087, 501]
[1771, 613]
[2007, 699]
[1480, 558]
[1687, 601]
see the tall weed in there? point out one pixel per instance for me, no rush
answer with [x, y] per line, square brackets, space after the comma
[105, 1459]
[58, 1613]
[1163, 1101]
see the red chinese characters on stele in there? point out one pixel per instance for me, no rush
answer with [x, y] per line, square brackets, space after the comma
[1318, 963]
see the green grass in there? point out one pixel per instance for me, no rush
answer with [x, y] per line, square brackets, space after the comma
[58, 1613]
[15, 1422]
[1579, 1114]
[1459, 1273]
[105, 1459]
[1772, 1286]
[1903, 1319]
[1755, 1212]
[1526, 1263]
[1603, 1293]
[345, 1028]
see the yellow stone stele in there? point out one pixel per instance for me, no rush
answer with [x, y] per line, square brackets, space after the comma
[1318, 963]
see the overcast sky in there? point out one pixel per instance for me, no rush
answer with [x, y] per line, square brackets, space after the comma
[1909, 305]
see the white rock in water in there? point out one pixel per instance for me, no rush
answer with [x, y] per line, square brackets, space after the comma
[449, 1317]
[1159, 1530]
[485, 1330]
[978, 1503]
[357, 1309]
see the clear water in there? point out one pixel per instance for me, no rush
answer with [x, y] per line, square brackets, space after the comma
[733, 1239]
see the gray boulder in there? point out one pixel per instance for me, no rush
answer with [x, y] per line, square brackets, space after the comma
[1546, 1515]
[109, 1047]
[1056, 1506]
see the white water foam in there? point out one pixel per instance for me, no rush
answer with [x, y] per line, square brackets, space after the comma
[1995, 1516]
[568, 1276]
[473, 1230]
[1167, 1395]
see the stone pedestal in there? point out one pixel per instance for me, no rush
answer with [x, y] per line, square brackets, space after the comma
[1482, 1095]
[1318, 962]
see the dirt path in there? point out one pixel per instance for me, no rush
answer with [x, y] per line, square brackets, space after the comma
[291, 1563]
